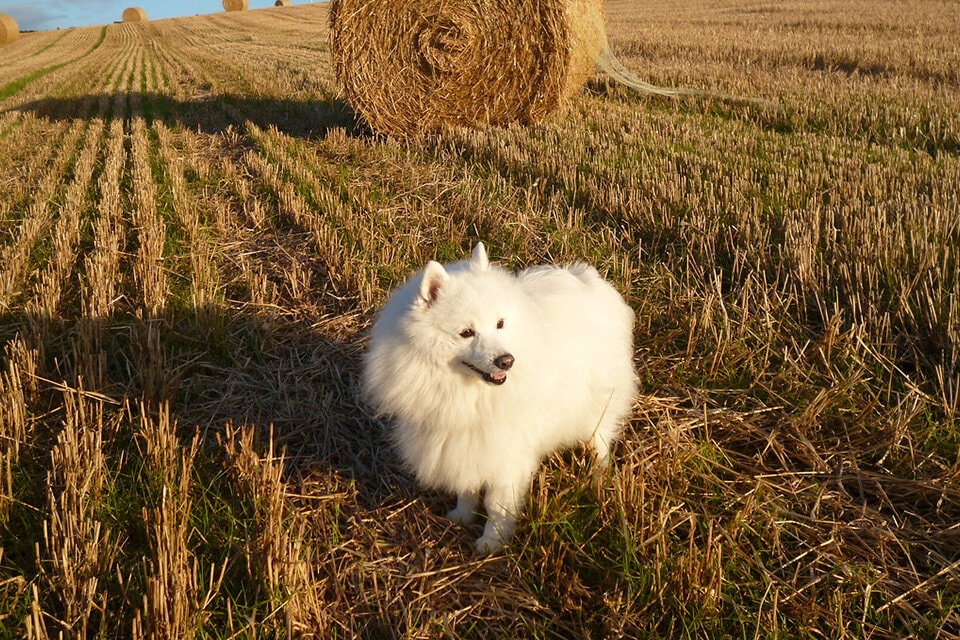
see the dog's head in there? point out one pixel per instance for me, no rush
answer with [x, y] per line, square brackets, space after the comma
[471, 309]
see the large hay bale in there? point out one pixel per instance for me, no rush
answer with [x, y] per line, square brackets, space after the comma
[416, 65]
[9, 31]
[134, 14]
[282, 3]
[236, 5]
[419, 64]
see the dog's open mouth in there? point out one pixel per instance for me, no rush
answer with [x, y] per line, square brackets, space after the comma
[496, 378]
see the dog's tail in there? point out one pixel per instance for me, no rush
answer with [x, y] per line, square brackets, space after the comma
[584, 272]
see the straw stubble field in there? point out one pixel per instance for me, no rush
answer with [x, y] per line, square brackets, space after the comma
[194, 236]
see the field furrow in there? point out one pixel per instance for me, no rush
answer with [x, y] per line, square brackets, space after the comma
[190, 214]
[28, 56]
[149, 227]
[170, 603]
[101, 286]
[25, 168]
[77, 554]
[37, 217]
[52, 79]
[53, 279]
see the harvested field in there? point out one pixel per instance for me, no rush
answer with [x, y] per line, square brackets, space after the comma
[195, 235]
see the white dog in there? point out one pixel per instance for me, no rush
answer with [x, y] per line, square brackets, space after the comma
[485, 373]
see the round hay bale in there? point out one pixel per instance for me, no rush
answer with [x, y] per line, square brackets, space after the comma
[236, 5]
[9, 31]
[282, 3]
[134, 14]
[417, 65]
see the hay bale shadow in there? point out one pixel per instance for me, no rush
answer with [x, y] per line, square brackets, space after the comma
[306, 119]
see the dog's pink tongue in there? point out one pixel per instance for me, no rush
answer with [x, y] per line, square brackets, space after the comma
[498, 376]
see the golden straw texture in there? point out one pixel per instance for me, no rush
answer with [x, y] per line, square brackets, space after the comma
[236, 5]
[414, 66]
[134, 14]
[282, 3]
[9, 31]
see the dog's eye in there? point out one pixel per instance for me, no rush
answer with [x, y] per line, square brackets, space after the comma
[500, 323]
[466, 333]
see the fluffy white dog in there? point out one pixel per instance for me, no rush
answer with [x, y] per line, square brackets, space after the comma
[485, 372]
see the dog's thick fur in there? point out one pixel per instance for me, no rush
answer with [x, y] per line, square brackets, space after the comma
[484, 373]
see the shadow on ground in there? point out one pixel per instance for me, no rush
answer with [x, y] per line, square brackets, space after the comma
[308, 119]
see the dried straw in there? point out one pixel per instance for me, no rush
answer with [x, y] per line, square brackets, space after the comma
[9, 31]
[134, 14]
[415, 66]
[236, 5]
[282, 3]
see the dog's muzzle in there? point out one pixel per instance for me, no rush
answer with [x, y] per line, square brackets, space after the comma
[503, 363]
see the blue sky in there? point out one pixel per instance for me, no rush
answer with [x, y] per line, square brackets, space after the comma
[41, 15]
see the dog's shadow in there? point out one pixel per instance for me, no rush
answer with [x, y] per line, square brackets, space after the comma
[274, 398]
[220, 371]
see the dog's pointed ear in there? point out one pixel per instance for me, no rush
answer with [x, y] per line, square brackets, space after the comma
[434, 277]
[479, 261]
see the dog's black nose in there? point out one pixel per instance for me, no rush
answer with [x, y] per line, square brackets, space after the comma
[504, 362]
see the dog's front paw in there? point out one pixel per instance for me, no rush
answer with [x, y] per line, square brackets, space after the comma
[488, 543]
[462, 516]
[466, 509]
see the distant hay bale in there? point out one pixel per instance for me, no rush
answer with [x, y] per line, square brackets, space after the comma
[419, 64]
[134, 14]
[9, 31]
[236, 5]
[282, 3]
